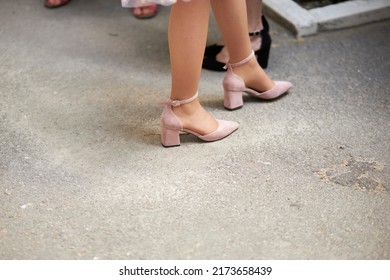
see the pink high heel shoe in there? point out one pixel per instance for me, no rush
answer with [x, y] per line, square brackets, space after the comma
[234, 86]
[171, 125]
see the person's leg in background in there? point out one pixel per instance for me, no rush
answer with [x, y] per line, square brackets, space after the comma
[217, 55]
[146, 11]
[55, 3]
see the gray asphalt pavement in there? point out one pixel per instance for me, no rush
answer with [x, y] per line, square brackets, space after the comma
[83, 174]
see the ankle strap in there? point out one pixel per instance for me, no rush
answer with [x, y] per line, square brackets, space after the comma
[255, 33]
[176, 103]
[241, 62]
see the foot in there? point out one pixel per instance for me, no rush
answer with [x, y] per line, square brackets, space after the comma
[55, 3]
[254, 76]
[195, 118]
[144, 12]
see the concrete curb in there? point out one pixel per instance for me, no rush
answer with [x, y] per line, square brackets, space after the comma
[304, 22]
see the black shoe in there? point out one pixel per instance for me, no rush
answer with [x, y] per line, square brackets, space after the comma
[212, 50]
[210, 61]
[215, 49]
[265, 23]
[262, 54]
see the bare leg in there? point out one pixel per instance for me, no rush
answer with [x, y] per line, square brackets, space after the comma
[254, 9]
[232, 21]
[254, 12]
[187, 39]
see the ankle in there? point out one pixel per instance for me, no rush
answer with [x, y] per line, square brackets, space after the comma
[223, 55]
[255, 26]
[254, 76]
[256, 42]
[187, 109]
[221, 42]
[249, 67]
[194, 117]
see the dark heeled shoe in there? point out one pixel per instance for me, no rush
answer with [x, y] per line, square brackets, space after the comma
[214, 49]
[262, 55]
[211, 63]
[265, 23]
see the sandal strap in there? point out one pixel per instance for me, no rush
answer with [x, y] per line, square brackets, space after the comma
[240, 62]
[176, 103]
[255, 33]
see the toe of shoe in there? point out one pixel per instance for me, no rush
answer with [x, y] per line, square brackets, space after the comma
[225, 128]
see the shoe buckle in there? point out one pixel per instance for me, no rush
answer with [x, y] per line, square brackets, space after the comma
[175, 103]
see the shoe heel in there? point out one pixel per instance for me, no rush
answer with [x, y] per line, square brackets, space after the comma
[170, 138]
[263, 53]
[262, 57]
[232, 100]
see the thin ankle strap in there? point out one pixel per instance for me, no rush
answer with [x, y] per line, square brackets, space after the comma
[241, 62]
[176, 103]
[255, 33]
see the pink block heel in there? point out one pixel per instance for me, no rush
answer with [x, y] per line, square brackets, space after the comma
[232, 100]
[234, 87]
[171, 125]
[169, 137]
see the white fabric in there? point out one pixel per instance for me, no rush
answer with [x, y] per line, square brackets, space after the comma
[136, 3]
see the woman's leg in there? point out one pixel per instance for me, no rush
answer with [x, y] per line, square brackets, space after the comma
[231, 16]
[187, 36]
[254, 10]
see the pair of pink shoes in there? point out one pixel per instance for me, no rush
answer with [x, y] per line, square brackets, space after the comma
[233, 86]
